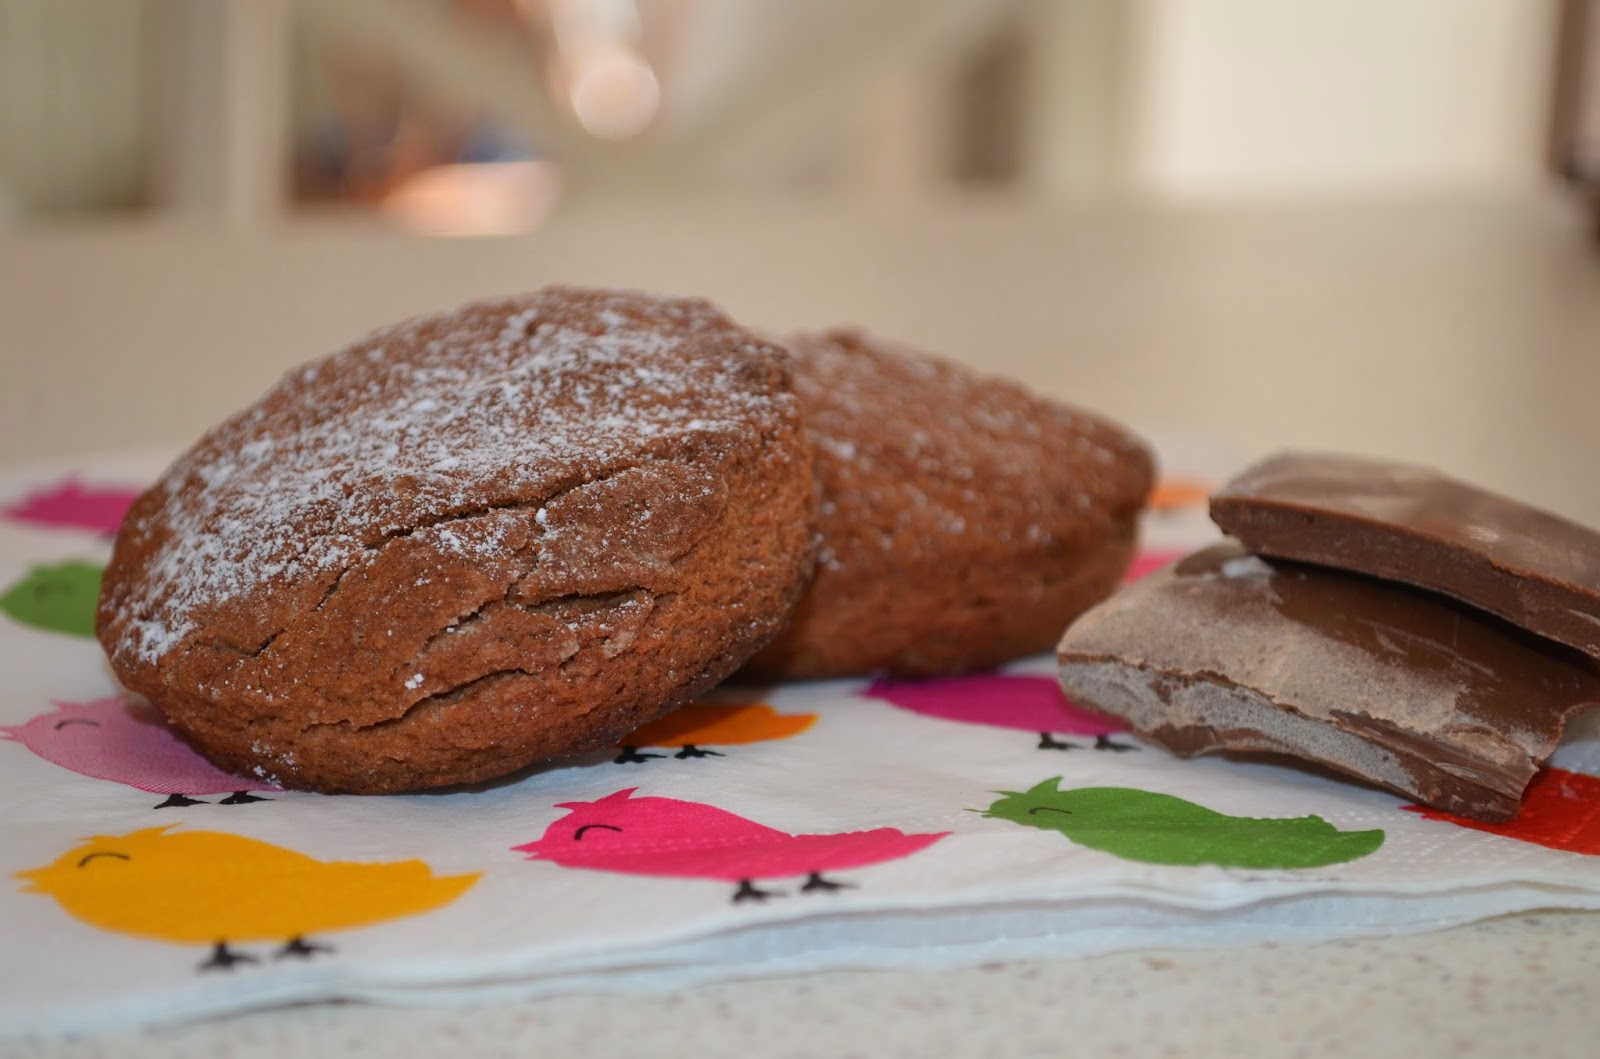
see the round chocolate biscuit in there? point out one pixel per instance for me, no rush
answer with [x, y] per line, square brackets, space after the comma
[964, 521]
[470, 542]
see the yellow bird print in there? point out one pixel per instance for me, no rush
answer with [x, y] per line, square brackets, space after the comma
[217, 889]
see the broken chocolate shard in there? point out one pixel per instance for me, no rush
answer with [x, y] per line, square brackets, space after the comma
[1409, 690]
[1411, 524]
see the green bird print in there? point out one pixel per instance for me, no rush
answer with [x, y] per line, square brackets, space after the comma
[1163, 829]
[60, 598]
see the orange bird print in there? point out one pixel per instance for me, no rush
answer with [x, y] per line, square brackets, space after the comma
[694, 727]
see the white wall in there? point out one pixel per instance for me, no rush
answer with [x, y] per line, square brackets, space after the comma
[72, 79]
[1266, 97]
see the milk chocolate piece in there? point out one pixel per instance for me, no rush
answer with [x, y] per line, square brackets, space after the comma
[1225, 651]
[1411, 524]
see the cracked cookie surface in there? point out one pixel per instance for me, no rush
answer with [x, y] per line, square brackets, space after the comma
[469, 542]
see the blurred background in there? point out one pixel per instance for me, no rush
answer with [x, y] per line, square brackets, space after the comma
[1344, 224]
[487, 116]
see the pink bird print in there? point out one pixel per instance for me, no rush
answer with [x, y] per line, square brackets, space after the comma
[1026, 703]
[71, 503]
[129, 742]
[1146, 563]
[691, 840]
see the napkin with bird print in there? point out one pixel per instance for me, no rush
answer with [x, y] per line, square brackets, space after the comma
[859, 823]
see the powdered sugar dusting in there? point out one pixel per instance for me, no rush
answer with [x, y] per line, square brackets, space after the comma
[507, 403]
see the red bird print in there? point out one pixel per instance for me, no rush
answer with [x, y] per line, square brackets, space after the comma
[1560, 809]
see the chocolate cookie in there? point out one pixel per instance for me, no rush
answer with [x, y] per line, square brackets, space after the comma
[470, 542]
[964, 521]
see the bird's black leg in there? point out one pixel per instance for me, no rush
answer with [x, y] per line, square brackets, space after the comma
[1103, 742]
[690, 750]
[815, 882]
[241, 798]
[748, 892]
[1050, 742]
[301, 949]
[223, 958]
[178, 801]
[630, 756]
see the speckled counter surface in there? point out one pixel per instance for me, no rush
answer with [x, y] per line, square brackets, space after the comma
[1464, 335]
[1510, 987]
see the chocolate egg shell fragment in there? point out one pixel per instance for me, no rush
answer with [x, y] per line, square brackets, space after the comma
[1411, 524]
[1225, 651]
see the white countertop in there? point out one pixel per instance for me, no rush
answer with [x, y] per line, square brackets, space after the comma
[1511, 987]
[1463, 334]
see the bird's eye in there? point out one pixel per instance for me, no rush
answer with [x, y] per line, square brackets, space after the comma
[76, 720]
[1048, 809]
[578, 834]
[91, 856]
